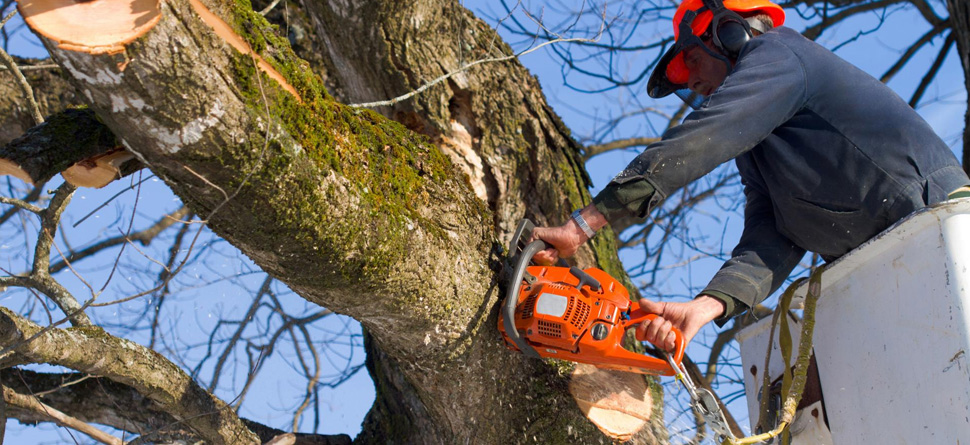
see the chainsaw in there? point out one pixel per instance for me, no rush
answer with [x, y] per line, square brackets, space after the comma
[573, 314]
[582, 315]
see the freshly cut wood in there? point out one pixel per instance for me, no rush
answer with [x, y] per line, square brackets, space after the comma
[11, 168]
[95, 26]
[618, 403]
[98, 171]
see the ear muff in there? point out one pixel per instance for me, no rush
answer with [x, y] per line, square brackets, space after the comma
[732, 36]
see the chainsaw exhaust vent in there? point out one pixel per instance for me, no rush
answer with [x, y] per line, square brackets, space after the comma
[550, 329]
[578, 313]
[530, 303]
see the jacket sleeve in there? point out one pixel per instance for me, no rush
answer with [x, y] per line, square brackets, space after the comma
[762, 260]
[766, 88]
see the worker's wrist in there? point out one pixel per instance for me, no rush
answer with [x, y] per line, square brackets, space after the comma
[709, 307]
[577, 232]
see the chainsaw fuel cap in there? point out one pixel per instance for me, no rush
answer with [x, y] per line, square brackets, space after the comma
[599, 331]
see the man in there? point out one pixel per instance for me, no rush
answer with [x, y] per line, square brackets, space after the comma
[828, 155]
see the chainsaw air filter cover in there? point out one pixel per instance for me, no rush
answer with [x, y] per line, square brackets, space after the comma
[561, 317]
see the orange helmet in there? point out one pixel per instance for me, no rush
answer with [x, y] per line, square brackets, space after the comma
[671, 73]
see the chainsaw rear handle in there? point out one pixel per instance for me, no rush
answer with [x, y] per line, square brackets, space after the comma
[638, 316]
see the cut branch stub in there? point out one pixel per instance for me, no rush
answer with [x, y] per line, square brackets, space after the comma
[94, 27]
[98, 171]
[618, 403]
[74, 142]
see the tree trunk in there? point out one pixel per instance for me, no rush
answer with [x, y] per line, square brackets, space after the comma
[960, 26]
[355, 212]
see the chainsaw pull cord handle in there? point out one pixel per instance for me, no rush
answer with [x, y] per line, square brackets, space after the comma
[639, 316]
[511, 296]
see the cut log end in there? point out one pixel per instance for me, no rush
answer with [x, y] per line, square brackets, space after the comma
[97, 172]
[618, 403]
[8, 167]
[95, 26]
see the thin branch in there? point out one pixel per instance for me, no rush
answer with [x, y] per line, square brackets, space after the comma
[269, 8]
[46, 66]
[20, 79]
[33, 404]
[815, 31]
[34, 195]
[463, 68]
[911, 51]
[21, 205]
[935, 68]
[598, 149]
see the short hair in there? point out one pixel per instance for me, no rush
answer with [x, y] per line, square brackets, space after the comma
[765, 20]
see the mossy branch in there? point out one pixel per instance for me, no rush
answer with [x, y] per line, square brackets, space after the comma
[93, 351]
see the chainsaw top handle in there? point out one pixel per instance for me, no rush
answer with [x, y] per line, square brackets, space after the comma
[521, 262]
[639, 316]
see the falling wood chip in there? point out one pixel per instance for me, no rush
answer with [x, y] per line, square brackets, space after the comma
[283, 439]
[618, 403]
[98, 171]
[93, 26]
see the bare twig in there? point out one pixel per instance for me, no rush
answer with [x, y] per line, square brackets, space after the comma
[20, 79]
[269, 8]
[21, 204]
[46, 66]
[462, 69]
[598, 149]
[33, 404]
[931, 72]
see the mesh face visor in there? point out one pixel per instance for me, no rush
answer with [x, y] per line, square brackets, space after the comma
[660, 84]
[671, 74]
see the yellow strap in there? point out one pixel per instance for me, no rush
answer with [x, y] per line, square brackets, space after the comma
[792, 385]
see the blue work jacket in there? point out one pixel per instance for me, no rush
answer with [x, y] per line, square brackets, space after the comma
[828, 155]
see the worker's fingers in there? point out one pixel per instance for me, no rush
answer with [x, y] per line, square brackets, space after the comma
[648, 330]
[653, 307]
[546, 257]
[671, 342]
[657, 331]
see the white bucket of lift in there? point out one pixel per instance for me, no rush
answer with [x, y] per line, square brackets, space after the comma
[892, 338]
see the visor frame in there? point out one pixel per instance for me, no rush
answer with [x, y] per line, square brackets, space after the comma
[659, 84]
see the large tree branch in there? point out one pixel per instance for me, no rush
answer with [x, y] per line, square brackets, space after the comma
[103, 401]
[93, 351]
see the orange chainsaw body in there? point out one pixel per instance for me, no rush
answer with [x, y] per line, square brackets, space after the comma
[561, 319]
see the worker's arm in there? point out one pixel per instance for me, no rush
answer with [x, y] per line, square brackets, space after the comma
[766, 88]
[759, 264]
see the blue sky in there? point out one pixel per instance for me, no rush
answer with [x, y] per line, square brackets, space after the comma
[943, 107]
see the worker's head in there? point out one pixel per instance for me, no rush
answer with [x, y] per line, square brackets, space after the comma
[708, 36]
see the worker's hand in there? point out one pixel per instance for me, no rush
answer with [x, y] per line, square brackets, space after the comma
[567, 238]
[688, 317]
[565, 241]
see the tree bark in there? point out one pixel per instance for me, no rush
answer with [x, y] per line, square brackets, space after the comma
[960, 27]
[51, 90]
[355, 212]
